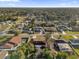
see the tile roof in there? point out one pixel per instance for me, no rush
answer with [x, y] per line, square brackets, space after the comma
[13, 42]
[16, 40]
[7, 45]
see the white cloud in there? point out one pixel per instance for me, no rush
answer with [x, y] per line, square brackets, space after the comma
[10, 0]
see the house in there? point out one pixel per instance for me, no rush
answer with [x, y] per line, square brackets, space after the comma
[27, 30]
[77, 22]
[12, 44]
[63, 46]
[75, 43]
[75, 28]
[49, 24]
[3, 55]
[63, 27]
[24, 37]
[39, 23]
[50, 29]
[39, 41]
[39, 30]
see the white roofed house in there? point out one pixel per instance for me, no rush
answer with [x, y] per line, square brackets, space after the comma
[61, 45]
[75, 43]
[64, 47]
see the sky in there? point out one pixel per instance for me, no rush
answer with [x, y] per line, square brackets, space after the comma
[39, 3]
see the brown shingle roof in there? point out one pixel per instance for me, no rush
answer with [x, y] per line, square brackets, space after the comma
[7, 45]
[16, 40]
[13, 42]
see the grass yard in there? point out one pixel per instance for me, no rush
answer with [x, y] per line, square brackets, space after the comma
[66, 37]
[77, 51]
[70, 32]
[73, 57]
[4, 38]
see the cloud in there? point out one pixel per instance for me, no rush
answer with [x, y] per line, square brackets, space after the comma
[9, 0]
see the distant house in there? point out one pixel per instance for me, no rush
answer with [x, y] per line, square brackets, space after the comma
[28, 21]
[75, 28]
[27, 30]
[75, 43]
[4, 55]
[24, 37]
[36, 29]
[61, 45]
[39, 23]
[63, 27]
[49, 24]
[39, 41]
[11, 31]
[12, 44]
[77, 22]
[50, 29]
[39, 30]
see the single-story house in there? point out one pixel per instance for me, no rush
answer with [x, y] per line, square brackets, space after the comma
[75, 43]
[75, 28]
[38, 30]
[12, 44]
[39, 41]
[24, 37]
[50, 29]
[63, 46]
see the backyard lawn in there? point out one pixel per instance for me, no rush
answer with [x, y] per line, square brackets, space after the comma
[67, 37]
[76, 50]
[70, 32]
[72, 57]
[4, 38]
[70, 36]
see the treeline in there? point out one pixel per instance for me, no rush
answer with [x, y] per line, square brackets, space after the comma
[62, 14]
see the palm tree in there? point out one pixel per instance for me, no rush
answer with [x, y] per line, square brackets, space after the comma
[61, 55]
[47, 53]
[47, 36]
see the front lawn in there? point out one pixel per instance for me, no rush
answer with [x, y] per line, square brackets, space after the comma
[70, 32]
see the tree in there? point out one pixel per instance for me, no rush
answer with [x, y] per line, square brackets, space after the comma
[61, 55]
[47, 53]
[47, 36]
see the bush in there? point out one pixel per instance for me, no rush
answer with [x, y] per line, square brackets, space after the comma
[61, 55]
